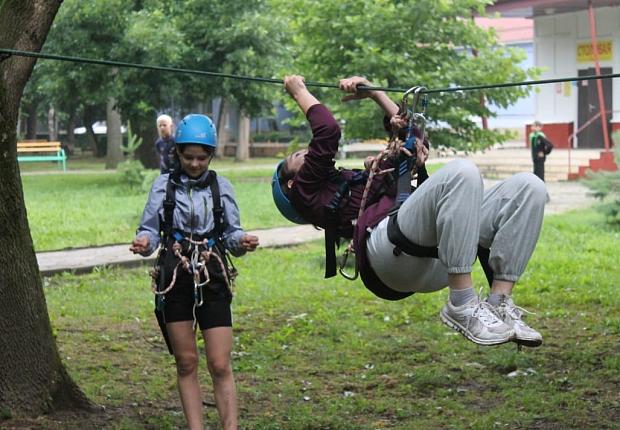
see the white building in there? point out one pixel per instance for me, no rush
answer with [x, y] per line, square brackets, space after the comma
[564, 35]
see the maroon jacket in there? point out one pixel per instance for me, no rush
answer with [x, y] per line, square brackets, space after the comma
[313, 189]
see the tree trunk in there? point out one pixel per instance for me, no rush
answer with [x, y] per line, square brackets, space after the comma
[33, 380]
[222, 132]
[146, 152]
[71, 130]
[52, 134]
[91, 137]
[242, 152]
[114, 136]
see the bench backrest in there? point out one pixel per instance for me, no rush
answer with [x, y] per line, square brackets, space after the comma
[38, 146]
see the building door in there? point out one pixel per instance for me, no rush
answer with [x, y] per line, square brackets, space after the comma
[591, 136]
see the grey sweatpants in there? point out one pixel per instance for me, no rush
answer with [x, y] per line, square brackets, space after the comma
[451, 210]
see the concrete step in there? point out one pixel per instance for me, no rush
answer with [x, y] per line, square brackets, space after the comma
[504, 162]
[519, 166]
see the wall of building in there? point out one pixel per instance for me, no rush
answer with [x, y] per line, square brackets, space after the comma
[556, 38]
[522, 111]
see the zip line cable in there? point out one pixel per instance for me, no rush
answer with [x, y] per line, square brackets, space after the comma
[6, 53]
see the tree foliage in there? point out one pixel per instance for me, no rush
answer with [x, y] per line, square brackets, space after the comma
[211, 36]
[395, 43]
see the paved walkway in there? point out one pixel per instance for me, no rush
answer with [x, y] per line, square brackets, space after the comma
[564, 196]
[85, 259]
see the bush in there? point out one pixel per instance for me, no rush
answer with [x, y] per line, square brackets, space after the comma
[131, 173]
[606, 187]
[131, 170]
[148, 177]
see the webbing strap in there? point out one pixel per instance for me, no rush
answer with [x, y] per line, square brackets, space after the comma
[403, 244]
[483, 257]
[332, 218]
[218, 210]
[170, 203]
[405, 165]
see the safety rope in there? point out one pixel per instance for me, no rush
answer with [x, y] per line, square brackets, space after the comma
[6, 53]
[393, 148]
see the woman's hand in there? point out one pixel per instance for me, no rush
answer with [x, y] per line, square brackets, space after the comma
[294, 85]
[349, 85]
[249, 242]
[140, 245]
[421, 153]
[398, 122]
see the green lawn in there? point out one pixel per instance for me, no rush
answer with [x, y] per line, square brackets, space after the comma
[326, 354]
[66, 211]
[90, 209]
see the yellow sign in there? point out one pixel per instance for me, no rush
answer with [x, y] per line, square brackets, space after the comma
[566, 89]
[585, 54]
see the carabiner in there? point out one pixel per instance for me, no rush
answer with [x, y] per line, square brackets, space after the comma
[343, 263]
[415, 117]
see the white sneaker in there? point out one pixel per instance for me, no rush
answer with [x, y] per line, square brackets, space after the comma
[478, 322]
[511, 314]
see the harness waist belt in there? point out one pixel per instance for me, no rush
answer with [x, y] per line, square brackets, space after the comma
[403, 244]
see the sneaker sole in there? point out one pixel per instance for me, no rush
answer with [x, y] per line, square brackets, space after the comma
[532, 343]
[456, 326]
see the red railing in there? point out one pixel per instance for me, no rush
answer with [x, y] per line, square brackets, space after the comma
[572, 137]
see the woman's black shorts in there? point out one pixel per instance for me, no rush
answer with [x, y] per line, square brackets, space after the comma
[215, 310]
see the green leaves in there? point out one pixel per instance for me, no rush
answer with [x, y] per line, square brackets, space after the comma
[406, 43]
[394, 43]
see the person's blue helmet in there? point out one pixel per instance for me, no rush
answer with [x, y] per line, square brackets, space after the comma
[282, 202]
[196, 129]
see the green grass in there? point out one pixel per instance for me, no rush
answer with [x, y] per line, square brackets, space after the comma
[68, 211]
[311, 353]
[91, 209]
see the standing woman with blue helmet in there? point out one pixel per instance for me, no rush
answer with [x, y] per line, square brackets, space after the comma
[192, 213]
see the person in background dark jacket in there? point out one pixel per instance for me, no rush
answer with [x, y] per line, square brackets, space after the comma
[449, 210]
[164, 145]
[541, 147]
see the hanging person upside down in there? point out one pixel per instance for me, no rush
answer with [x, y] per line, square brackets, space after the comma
[439, 228]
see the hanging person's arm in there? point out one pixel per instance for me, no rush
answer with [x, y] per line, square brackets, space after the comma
[319, 160]
[352, 86]
[296, 88]
[393, 119]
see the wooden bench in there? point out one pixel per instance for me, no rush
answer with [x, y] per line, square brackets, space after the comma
[41, 150]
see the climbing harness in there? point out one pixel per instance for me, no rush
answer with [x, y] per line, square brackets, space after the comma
[405, 154]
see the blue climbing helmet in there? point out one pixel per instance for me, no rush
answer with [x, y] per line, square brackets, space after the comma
[196, 129]
[281, 200]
